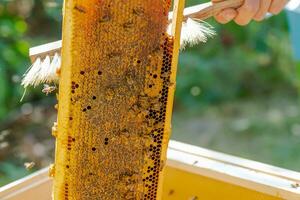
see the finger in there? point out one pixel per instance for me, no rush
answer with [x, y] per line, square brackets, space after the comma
[277, 6]
[264, 8]
[226, 15]
[247, 11]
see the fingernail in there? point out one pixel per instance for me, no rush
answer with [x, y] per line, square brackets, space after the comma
[228, 16]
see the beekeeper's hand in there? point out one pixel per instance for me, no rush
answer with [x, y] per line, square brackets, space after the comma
[250, 10]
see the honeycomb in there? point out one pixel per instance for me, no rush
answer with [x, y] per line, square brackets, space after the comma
[114, 100]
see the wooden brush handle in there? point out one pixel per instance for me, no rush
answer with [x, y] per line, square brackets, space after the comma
[207, 10]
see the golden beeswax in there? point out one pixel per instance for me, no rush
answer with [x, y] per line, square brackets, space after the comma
[115, 100]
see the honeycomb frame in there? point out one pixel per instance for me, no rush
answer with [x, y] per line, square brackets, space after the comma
[115, 101]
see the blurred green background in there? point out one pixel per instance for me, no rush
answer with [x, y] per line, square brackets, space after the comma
[237, 93]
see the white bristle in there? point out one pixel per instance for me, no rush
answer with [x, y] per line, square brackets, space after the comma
[55, 65]
[31, 73]
[194, 32]
[50, 75]
[42, 71]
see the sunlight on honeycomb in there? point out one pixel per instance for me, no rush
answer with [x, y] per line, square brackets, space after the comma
[111, 125]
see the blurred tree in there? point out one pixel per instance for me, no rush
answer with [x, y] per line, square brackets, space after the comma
[13, 57]
[239, 62]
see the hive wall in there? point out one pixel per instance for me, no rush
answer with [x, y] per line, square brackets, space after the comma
[114, 94]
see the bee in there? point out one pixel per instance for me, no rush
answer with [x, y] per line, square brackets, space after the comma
[128, 24]
[114, 54]
[143, 101]
[194, 198]
[162, 165]
[295, 185]
[54, 129]
[48, 89]
[29, 165]
[109, 94]
[150, 122]
[51, 172]
[130, 78]
[165, 74]
[130, 195]
[58, 71]
[105, 18]
[80, 8]
[156, 106]
[171, 192]
[138, 11]
[125, 133]
[196, 162]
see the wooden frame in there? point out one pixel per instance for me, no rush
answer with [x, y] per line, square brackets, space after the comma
[255, 176]
[245, 178]
[35, 185]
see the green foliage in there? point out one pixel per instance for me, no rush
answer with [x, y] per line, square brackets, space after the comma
[10, 172]
[18, 21]
[13, 58]
[257, 128]
[239, 62]
[23, 23]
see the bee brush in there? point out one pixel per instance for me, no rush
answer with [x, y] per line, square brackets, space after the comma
[46, 58]
[194, 29]
[46, 61]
